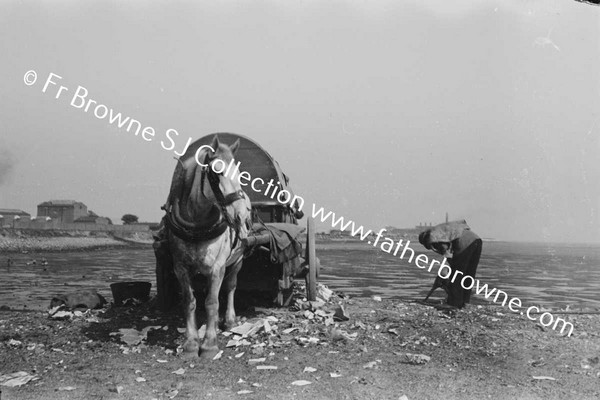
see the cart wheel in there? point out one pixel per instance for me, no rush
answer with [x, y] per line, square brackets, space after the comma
[311, 258]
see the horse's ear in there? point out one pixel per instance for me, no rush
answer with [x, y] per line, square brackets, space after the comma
[235, 146]
[215, 143]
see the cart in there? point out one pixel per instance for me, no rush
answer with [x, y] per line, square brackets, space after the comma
[264, 270]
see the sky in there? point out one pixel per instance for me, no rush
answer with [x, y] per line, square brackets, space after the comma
[384, 112]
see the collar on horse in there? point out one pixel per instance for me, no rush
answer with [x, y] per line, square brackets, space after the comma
[213, 227]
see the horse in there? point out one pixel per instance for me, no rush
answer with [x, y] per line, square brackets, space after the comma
[208, 215]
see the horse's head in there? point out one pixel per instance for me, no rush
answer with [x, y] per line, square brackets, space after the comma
[221, 163]
[216, 179]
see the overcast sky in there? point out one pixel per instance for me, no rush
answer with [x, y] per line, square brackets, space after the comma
[385, 112]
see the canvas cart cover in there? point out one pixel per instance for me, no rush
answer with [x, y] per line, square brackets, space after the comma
[254, 160]
[283, 240]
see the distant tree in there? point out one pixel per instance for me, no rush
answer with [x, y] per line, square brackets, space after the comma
[129, 219]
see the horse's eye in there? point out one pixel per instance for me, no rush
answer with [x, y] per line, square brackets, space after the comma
[213, 170]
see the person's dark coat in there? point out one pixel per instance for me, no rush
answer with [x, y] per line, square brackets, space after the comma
[462, 247]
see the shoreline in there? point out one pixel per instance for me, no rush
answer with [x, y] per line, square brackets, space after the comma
[80, 241]
[63, 243]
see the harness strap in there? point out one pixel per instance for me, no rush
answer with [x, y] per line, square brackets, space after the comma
[202, 176]
[223, 201]
[235, 196]
[213, 179]
[188, 234]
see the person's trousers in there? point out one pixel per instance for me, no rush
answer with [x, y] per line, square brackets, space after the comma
[465, 262]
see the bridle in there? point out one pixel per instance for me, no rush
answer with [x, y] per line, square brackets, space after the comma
[222, 200]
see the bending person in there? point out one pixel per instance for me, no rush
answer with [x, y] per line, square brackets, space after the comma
[462, 247]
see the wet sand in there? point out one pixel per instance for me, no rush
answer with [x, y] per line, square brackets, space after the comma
[554, 277]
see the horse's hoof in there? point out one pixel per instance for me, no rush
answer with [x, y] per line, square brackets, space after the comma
[189, 355]
[209, 353]
[227, 325]
[190, 349]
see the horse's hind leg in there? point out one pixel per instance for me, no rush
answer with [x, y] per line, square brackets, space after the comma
[230, 285]
[192, 342]
[209, 347]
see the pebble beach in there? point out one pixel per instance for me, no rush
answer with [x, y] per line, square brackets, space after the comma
[41, 241]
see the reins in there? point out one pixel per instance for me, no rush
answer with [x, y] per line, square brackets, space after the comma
[222, 201]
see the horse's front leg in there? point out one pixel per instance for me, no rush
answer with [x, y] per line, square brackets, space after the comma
[230, 285]
[192, 342]
[209, 347]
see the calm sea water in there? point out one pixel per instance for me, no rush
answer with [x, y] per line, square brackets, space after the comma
[553, 275]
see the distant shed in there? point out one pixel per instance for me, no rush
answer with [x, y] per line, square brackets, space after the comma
[64, 211]
[7, 215]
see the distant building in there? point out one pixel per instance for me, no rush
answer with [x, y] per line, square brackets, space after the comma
[151, 225]
[405, 233]
[41, 219]
[64, 211]
[322, 236]
[422, 227]
[340, 234]
[7, 215]
[93, 219]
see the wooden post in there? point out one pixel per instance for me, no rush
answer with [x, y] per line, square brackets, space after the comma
[311, 258]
